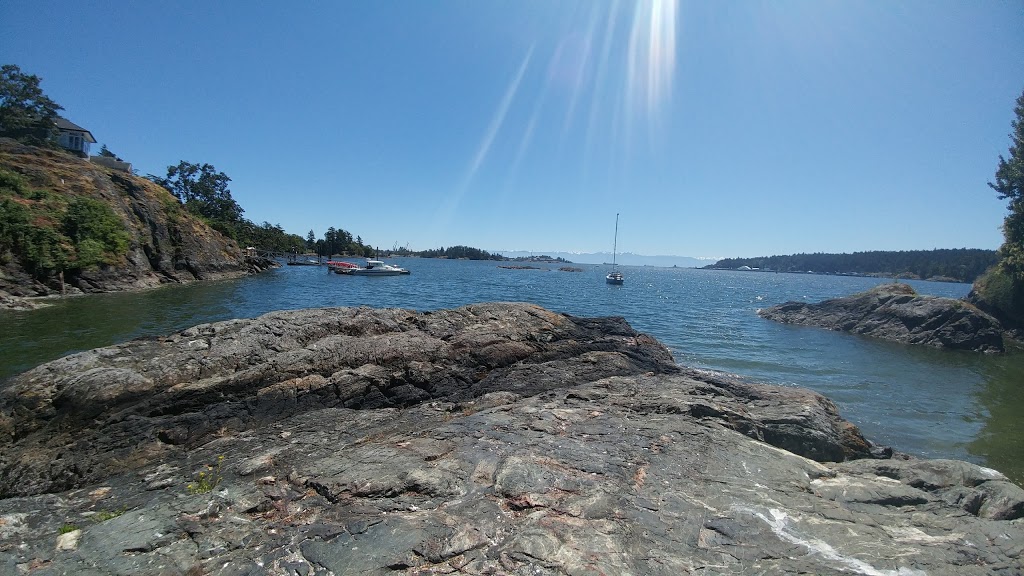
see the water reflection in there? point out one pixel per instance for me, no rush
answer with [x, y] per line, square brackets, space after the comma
[81, 323]
[1000, 442]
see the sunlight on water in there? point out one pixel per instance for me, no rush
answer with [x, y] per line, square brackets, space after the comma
[923, 401]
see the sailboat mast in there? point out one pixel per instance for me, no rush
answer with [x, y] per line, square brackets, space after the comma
[615, 243]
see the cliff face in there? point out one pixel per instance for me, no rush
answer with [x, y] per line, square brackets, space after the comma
[491, 439]
[164, 243]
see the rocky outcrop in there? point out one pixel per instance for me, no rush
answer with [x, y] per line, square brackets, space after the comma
[497, 438]
[895, 312]
[166, 243]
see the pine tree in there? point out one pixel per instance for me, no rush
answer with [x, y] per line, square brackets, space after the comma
[1001, 289]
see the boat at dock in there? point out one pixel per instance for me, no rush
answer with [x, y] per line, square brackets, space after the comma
[377, 268]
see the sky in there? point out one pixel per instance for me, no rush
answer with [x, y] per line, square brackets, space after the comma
[714, 129]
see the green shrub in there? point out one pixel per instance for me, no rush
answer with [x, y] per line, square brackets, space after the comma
[97, 233]
[999, 290]
[13, 181]
[104, 515]
[47, 233]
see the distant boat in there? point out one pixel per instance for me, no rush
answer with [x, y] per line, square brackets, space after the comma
[615, 277]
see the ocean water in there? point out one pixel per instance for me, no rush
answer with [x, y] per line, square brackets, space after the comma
[933, 403]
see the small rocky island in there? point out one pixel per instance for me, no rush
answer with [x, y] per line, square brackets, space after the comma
[896, 312]
[490, 439]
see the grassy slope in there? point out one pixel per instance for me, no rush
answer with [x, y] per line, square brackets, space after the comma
[165, 243]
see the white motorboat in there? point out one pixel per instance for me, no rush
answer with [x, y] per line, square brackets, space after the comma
[377, 268]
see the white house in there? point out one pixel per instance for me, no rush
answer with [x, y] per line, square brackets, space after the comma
[73, 137]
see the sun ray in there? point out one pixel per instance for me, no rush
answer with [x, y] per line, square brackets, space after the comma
[651, 60]
[601, 72]
[579, 74]
[496, 122]
[527, 139]
[451, 204]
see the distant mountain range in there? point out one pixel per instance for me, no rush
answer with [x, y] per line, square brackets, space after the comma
[626, 258]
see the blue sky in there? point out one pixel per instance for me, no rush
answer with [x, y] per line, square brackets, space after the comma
[716, 129]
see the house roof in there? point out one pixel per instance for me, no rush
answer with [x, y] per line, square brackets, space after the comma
[70, 126]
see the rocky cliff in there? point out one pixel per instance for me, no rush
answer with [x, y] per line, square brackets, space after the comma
[164, 242]
[490, 439]
[895, 312]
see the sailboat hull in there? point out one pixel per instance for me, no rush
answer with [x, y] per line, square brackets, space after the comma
[614, 278]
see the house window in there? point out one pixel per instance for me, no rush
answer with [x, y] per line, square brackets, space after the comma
[75, 142]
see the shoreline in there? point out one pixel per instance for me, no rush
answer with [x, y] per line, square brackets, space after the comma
[11, 302]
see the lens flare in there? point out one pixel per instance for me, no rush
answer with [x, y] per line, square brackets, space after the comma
[652, 56]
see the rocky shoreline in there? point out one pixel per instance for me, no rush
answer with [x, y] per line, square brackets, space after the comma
[493, 438]
[45, 297]
[896, 312]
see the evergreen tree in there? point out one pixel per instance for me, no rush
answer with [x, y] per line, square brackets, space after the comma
[202, 190]
[1009, 184]
[26, 113]
[330, 239]
[1001, 289]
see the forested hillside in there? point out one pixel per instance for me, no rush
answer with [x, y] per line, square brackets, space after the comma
[963, 264]
[66, 223]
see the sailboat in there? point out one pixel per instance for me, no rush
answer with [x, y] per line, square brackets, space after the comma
[615, 277]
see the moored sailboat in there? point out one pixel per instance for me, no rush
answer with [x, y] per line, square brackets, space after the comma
[615, 277]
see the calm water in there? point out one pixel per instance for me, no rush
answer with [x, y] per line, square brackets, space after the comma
[933, 403]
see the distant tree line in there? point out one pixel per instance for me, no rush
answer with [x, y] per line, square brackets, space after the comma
[467, 252]
[540, 258]
[267, 236]
[963, 264]
[337, 241]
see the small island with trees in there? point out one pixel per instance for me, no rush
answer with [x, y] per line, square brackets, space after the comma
[956, 265]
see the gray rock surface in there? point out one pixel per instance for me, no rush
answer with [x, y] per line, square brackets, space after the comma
[895, 312]
[491, 439]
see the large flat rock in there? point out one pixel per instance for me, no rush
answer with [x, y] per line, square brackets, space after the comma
[895, 312]
[491, 439]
